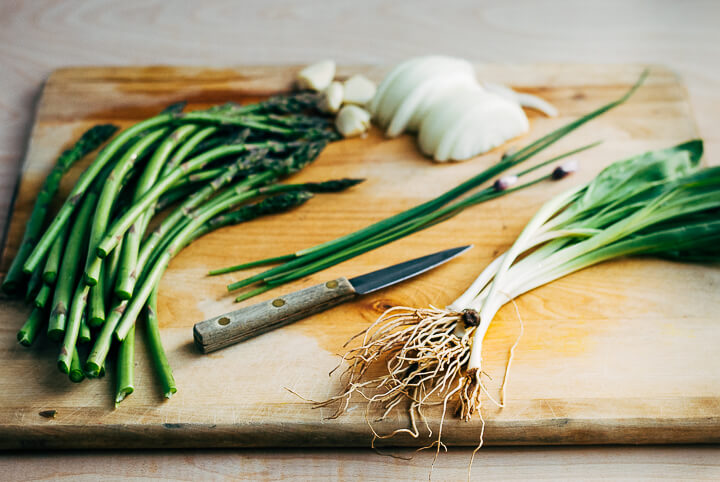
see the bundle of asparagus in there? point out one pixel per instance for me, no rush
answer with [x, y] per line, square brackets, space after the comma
[220, 166]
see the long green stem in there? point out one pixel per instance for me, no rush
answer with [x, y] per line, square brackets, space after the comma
[52, 264]
[99, 351]
[157, 352]
[88, 142]
[120, 226]
[127, 273]
[83, 183]
[126, 367]
[75, 370]
[43, 296]
[70, 267]
[29, 331]
[72, 329]
[178, 242]
[85, 335]
[110, 191]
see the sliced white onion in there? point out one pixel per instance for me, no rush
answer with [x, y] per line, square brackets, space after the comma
[417, 103]
[435, 124]
[525, 100]
[491, 123]
[406, 78]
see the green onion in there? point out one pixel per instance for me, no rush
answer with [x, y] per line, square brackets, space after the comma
[658, 203]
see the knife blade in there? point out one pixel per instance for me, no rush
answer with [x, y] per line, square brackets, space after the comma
[240, 325]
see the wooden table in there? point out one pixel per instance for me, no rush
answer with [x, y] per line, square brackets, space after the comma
[38, 36]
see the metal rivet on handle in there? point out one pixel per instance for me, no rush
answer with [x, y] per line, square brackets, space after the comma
[332, 284]
[224, 321]
[277, 303]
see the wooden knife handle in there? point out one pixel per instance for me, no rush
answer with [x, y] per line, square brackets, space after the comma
[236, 326]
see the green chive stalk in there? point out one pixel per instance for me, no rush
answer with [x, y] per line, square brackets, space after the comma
[303, 257]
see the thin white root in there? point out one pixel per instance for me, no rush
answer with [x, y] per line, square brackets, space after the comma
[423, 355]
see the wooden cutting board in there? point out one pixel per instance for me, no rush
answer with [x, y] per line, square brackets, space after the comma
[625, 352]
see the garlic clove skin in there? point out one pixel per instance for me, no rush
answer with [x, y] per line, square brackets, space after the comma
[352, 121]
[358, 90]
[333, 98]
[317, 76]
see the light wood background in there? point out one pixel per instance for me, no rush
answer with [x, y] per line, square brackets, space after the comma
[36, 37]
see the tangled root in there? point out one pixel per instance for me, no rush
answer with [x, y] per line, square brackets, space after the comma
[424, 352]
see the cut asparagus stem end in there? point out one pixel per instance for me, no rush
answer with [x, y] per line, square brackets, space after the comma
[172, 391]
[92, 369]
[122, 393]
[76, 375]
[56, 334]
[10, 287]
[63, 366]
[123, 294]
[96, 322]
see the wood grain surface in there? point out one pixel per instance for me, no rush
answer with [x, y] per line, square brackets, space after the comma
[621, 353]
[37, 37]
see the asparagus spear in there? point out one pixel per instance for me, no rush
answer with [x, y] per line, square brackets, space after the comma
[157, 352]
[72, 327]
[88, 142]
[29, 331]
[107, 199]
[126, 367]
[52, 264]
[43, 296]
[226, 200]
[69, 268]
[75, 370]
[86, 179]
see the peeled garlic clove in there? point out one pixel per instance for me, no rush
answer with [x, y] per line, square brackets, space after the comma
[352, 121]
[317, 76]
[333, 98]
[358, 90]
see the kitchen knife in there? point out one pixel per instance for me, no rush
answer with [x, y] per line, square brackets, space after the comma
[236, 326]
